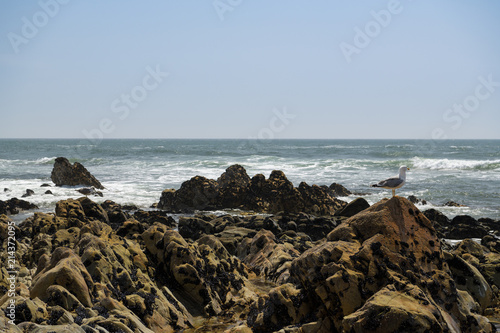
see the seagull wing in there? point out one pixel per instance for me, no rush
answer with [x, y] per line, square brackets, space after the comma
[390, 182]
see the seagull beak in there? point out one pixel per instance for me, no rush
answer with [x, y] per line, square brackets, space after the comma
[408, 169]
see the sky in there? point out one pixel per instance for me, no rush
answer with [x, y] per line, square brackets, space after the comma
[409, 69]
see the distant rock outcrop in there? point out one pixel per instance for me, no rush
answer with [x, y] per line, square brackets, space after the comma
[14, 205]
[235, 189]
[65, 173]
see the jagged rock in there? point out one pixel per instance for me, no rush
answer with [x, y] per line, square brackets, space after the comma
[198, 193]
[232, 236]
[283, 306]
[437, 217]
[353, 207]
[14, 206]
[468, 278]
[414, 200]
[464, 226]
[316, 228]
[27, 309]
[317, 200]
[93, 210]
[234, 189]
[48, 192]
[115, 213]
[65, 173]
[389, 245]
[265, 256]
[485, 257]
[380, 270]
[131, 229]
[194, 228]
[43, 223]
[339, 190]
[409, 309]
[59, 316]
[65, 269]
[59, 296]
[440, 221]
[203, 271]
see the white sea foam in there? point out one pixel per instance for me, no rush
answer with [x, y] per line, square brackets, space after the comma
[139, 176]
[454, 164]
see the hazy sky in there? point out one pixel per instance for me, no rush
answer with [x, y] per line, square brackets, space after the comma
[241, 68]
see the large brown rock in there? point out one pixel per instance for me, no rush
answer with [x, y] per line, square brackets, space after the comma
[65, 268]
[198, 193]
[65, 173]
[202, 271]
[410, 310]
[384, 260]
[233, 187]
[73, 260]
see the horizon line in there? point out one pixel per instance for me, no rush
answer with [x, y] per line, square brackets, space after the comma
[249, 139]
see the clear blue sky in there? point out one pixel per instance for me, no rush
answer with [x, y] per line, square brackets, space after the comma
[241, 68]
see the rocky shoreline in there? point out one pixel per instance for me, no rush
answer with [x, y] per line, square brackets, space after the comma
[295, 259]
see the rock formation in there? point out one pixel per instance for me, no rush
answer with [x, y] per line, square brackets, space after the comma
[235, 189]
[65, 173]
[14, 206]
[382, 270]
[92, 267]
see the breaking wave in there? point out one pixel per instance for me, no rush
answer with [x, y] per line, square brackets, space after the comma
[454, 164]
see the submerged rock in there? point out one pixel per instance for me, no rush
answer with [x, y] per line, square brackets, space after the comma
[65, 173]
[28, 193]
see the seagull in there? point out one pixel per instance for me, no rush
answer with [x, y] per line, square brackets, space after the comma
[394, 182]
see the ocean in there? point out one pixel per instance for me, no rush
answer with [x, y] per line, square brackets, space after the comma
[136, 171]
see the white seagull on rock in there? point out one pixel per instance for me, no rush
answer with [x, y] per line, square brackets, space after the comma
[394, 182]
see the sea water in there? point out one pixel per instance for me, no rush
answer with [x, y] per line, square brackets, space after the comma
[137, 171]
